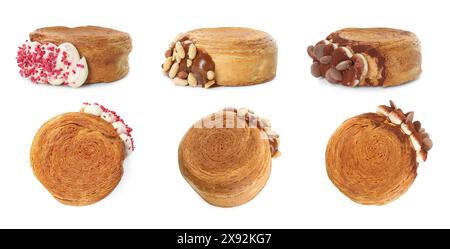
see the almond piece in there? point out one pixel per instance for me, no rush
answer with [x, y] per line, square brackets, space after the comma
[192, 81]
[276, 155]
[180, 82]
[180, 50]
[189, 63]
[167, 64]
[210, 84]
[210, 75]
[174, 70]
[192, 52]
[174, 55]
[178, 37]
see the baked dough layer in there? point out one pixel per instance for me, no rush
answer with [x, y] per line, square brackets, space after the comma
[78, 157]
[106, 50]
[242, 56]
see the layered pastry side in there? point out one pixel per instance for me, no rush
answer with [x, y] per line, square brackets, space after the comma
[78, 156]
[227, 156]
[367, 57]
[373, 158]
[74, 56]
[221, 57]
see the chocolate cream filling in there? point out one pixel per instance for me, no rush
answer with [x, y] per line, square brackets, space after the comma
[189, 61]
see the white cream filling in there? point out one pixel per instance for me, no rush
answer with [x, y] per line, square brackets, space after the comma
[76, 75]
[384, 110]
[93, 109]
[366, 66]
[415, 142]
[109, 117]
[78, 78]
[406, 129]
[347, 52]
[395, 118]
[119, 127]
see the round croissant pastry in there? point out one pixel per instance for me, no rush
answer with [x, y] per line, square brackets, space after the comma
[227, 156]
[75, 56]
[221, 56]
[367, 57]
[78, 156]
[373, 158]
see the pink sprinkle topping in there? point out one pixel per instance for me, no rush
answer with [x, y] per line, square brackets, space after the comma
[40, 63]
[118, 118]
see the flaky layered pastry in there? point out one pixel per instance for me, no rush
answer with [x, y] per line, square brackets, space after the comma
[226, 157]
[367, 57]
[373, 158]
[78, 156]
[221, 57]
[106, 50]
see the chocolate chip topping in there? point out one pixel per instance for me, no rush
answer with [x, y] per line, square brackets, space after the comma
[420, 140]
[337, 64]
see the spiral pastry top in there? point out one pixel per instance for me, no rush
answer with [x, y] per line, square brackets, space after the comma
[373, 158]
[78, 156]
[227, 156]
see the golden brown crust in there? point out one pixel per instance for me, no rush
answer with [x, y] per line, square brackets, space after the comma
[371, 160]
[242, 56]
[226, 166]
[106, 50]
[394, 56]
[78, 158]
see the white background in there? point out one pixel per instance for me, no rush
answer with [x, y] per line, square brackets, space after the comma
[305, 111]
